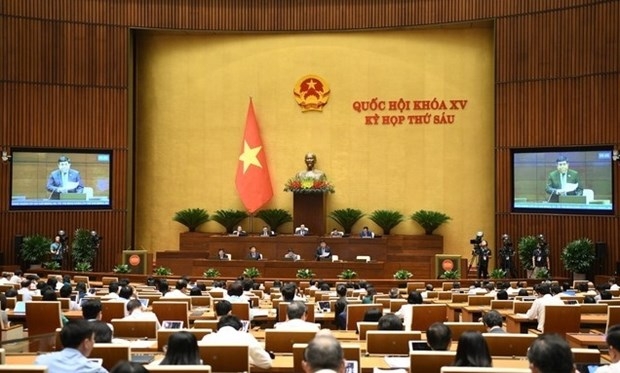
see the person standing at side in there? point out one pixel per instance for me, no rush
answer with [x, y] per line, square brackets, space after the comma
[483, 259]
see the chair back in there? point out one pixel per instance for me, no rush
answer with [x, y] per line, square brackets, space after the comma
[613, 316]
[509, 344]
[415, 285]
[426, 314]
[430, 361]
[396, 304]
[459, 297]
[43, 317]
[10, 302]
[180, 368]
[225, 358]
[458, 328]
[383, 300]
[364, 326]
[479, 300]
[447, 285]
[241, 310]
[521, 307]
[105, 280]
[187, 300]
[206, 324]
[593, 308]
[171, 311]
[112, 309]
[283, 340]
[355, 313]
[390, 342]
[164, 334]
[81, 278]
[502, 304]
[351, 351]
[586, 355]
[134, 329]
[562, 319]
[110, 353]
[444, 295]
[201, 301]
[65, 303]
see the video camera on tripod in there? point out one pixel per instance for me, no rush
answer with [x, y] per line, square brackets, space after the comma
[476, 242]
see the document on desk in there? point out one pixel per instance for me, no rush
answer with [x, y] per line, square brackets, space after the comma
[142, 344]
[399, 362]
[258, 312]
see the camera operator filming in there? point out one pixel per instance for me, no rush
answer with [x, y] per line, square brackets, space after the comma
[506, 255]
[540, 256]
[480, 255]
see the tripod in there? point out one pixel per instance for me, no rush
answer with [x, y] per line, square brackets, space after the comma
[472, 261]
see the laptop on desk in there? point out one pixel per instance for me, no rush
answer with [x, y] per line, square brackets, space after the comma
[20, 307]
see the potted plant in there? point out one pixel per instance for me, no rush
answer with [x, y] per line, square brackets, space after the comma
[35, 249]
[450, 275]
[52, 266]
[304, 273]
[497, 273]
[83, 267]
[274, 218]
[578, 256]
[230, 219]
[121, 268]
[386, 219]
[347, 274]
[346, 218]
[211, 273]
[84, 247]
[543, 274]
[162, 271]
[251, 272]
[402, 274]
[429, 220]
[526, 246]
[191, 218]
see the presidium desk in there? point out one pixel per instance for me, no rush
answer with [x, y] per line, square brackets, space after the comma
[388, 254]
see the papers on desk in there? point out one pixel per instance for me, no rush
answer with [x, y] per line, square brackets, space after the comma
[142, 344]
[568, 187]
[258, 312]
[399, 362]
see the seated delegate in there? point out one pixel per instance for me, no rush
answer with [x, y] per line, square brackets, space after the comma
[323, 252]
[366, 233]
[302, 230]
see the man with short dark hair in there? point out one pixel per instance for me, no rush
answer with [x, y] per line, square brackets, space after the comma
[390, 321]
[180, 290]
[78, 339]
[613, 341]
[288, 291]
[537, 311]
[91, 309]
[439, 336]
[296, 318]
[223, 308]
[323, 354]
[229, 333]
[550, 353]
[493, 321]
[340, 308]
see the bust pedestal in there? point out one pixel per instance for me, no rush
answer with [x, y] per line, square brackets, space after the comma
[309, 209]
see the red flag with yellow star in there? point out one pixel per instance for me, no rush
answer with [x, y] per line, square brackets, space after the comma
[253, 181]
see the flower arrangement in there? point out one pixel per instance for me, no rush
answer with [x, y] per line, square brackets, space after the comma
[308, 185]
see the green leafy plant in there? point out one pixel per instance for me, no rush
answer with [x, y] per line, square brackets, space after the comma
[429, 220]
[51, 265]
[35, 248]
[83, 267]
[251, 272]
[305, 273]
[211, 273]
[274, 218]
[191, 218]
[402, 274]
[121, 268]
[83, 247]
[386, 219]
[308, 185]
[346, 218]
[527, 245]
[162, 271]
[497, 273]
[543, 273]
[230, 219]
[450, 275]
[578, 255]
[347, 274]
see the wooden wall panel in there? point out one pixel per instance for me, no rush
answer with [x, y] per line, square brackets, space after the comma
[65, 69]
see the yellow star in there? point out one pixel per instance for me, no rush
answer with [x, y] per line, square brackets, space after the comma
[248, 157]
[311, 84]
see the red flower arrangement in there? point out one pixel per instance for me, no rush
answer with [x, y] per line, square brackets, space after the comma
[308, 185]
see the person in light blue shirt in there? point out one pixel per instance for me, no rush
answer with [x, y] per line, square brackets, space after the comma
[78, 339]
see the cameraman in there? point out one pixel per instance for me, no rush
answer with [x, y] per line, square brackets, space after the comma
[506, 254]
[540, 256]
[475, 251]
[483, 259]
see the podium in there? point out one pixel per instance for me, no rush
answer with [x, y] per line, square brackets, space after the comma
[447, 262]
[309, 209]
[137, 261]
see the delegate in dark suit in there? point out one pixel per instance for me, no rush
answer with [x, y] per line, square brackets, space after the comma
[323, 251]
[54, 182]
[554, 181]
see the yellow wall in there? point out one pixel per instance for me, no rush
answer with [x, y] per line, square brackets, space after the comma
[193, 91]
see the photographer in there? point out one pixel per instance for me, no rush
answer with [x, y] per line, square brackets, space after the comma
[506, 254]
[540, 256]
[483, 259]
[476, 251]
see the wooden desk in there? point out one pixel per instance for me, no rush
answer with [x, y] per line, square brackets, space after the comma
[454, 310]
[520, 324]
[586, 340]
